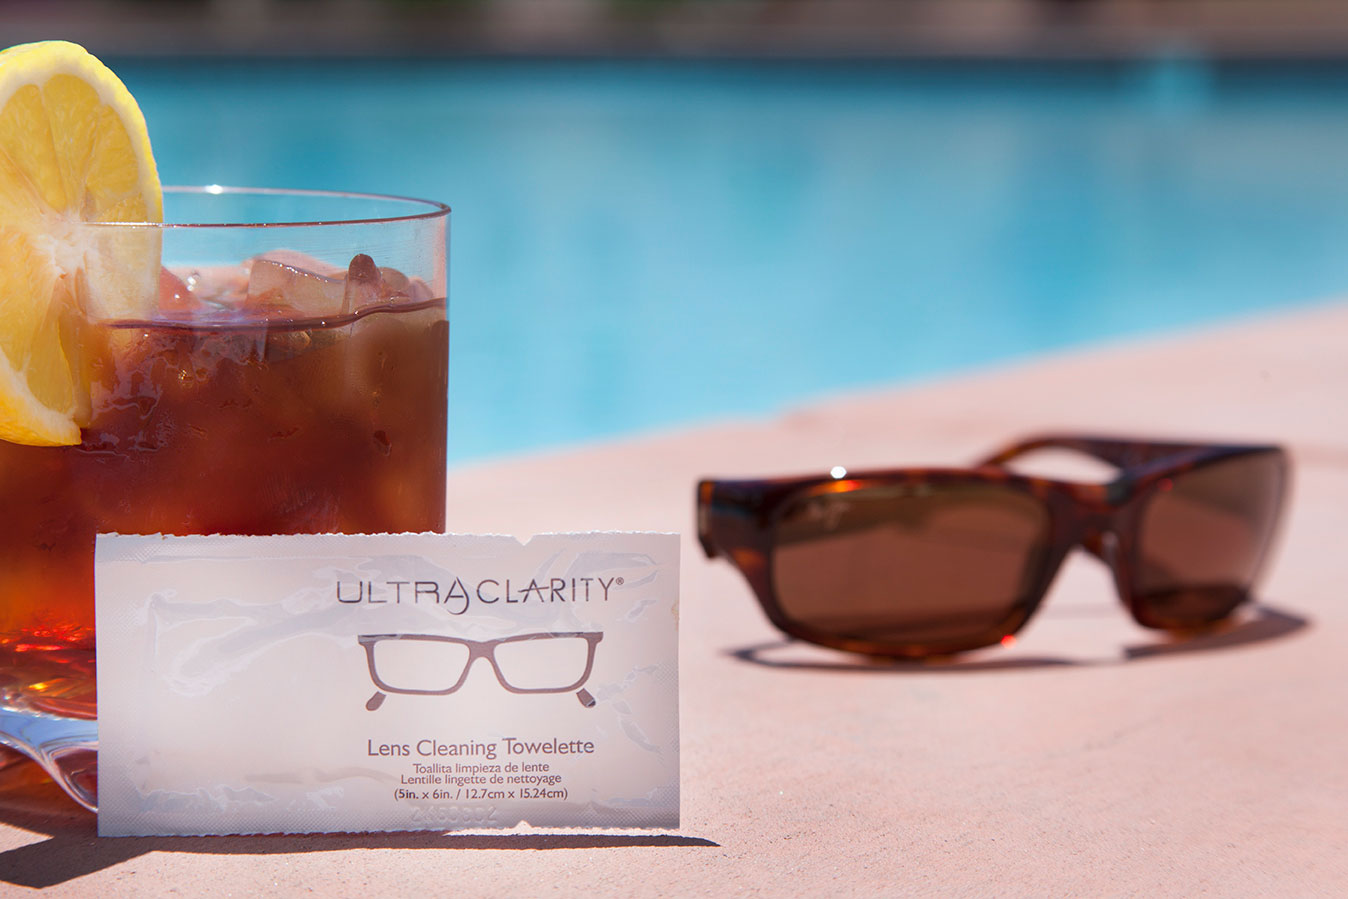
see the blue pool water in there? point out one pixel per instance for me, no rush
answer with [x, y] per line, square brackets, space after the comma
[640, 245]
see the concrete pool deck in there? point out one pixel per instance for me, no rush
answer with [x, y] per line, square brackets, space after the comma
[1091, 758]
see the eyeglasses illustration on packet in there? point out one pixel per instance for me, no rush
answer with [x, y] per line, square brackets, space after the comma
[422, 664]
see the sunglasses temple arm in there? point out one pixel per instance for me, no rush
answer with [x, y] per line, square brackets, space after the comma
[707, 519]
[1123, 454]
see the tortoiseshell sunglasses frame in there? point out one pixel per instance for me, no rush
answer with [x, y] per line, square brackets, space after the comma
[738, 518]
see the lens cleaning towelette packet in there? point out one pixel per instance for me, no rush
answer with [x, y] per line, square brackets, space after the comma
[389, 682]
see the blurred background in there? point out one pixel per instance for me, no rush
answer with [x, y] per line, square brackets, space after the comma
[674, 211]
[828, 28]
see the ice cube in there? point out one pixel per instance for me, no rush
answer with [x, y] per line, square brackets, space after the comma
[174, 295]
[418, 291]
[217, 288]
[398, 286]
[296, 259]
[395, 282]
[364, 283]
[273, 284]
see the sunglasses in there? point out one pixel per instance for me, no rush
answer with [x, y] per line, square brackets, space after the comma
[933, 561]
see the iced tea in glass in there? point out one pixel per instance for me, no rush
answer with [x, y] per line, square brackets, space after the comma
[292, 379]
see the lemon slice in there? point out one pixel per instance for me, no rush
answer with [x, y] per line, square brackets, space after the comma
[73, 150]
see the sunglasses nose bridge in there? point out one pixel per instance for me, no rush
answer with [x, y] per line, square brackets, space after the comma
[1101, 541]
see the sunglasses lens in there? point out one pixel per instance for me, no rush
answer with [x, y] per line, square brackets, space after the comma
[1203, 538]
[913, 569]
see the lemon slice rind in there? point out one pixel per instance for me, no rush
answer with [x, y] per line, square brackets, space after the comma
[74, 151]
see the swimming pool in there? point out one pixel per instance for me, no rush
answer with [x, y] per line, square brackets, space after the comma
[639, 245]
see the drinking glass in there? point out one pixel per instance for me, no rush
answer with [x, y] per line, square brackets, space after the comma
[290, 376]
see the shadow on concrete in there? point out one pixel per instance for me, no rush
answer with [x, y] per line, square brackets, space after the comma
[33, 803]
[74, 848]
[1265, 623]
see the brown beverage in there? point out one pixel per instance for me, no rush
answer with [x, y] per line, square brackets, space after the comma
[250, 421]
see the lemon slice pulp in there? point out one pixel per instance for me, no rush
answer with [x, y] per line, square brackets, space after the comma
[73, 150]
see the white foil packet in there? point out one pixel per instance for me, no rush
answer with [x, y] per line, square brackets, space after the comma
[332, 683]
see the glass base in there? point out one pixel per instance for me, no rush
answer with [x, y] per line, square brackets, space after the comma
[47, 708]
[67, 748]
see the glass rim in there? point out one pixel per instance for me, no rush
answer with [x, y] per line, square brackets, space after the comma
[427, 209]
